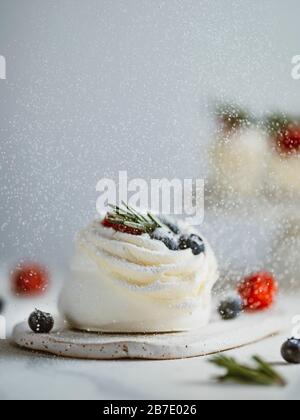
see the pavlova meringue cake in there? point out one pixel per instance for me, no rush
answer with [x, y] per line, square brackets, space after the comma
[139, 274]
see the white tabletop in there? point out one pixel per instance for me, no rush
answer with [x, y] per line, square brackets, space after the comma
[27, 375]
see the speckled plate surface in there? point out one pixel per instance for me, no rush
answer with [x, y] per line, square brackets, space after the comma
[216, 337]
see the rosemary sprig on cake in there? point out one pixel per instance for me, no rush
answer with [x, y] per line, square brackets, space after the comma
[262, 374]
[128, 220]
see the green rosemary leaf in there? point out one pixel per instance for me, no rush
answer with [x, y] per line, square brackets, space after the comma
[139, 216]
[268, 370]
[129, 217]
[262, 374]
[155, 220]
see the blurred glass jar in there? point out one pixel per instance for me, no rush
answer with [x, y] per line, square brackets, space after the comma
[240, 161]
[284, 258]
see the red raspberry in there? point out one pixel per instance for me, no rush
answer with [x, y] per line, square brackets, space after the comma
[289, 140]
[30, 280]
[258, 291]
[121, 228]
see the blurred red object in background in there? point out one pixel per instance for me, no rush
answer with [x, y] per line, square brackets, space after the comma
[289, 140]
[29, 279]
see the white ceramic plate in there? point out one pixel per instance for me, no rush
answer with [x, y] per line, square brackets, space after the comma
[217, 337]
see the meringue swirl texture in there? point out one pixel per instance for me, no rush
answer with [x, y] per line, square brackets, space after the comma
[122, 283]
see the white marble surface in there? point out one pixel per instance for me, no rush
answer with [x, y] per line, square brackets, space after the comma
[27, 375]
[217, 336]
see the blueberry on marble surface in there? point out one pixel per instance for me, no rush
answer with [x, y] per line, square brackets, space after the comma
[231, 308]
[290, 351]
[41, 322]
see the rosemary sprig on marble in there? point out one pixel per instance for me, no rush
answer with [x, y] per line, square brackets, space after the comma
[129, 217]
[262, 374]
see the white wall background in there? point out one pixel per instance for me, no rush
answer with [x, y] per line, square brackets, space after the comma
[98, 86]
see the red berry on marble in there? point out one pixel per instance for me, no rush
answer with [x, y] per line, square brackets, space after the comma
[290, 351]
[258, 291]
[30, 280]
